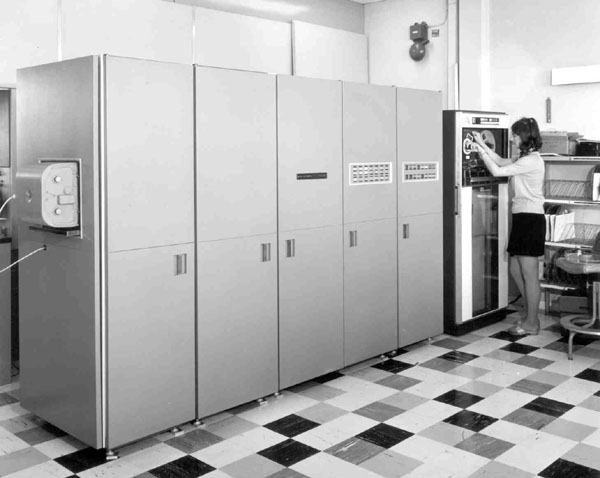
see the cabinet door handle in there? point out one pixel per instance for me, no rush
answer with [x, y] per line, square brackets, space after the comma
[456, 208]
[405, 231]
[266, 252]
[290, 248]
[180, 264]
[353, 238]
[596, 296]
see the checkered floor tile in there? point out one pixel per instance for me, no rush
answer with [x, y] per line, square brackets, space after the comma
[482, 405]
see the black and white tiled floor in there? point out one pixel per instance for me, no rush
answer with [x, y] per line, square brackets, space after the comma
[478, 406]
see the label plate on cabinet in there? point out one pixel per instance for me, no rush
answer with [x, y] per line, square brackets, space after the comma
[311, 176]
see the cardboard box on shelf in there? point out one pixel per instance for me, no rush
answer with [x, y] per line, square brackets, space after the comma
[573, 304]
[559, 142]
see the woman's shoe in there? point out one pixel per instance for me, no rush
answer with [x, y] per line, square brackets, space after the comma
[519, 331]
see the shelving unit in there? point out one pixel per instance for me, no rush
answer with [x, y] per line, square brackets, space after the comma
[572, 202]
[568, 184]
[549, 288]
[557, 158]
[547, 285]
[571, 245]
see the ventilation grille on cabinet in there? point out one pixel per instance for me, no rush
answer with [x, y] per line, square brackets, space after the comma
[370, 173]
[416, 172]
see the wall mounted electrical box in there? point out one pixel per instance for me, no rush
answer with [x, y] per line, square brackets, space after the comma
[49, 194]
[418, 32]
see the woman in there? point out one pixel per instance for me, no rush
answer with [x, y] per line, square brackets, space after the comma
[526, 241]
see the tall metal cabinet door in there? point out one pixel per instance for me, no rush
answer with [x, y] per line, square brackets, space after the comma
[150, 341]
[370, 289]
[369, 152]
[420, 277]
[236, 153]
[5, 336]
[5, 128]
[59, 340]
[310, 304]
[237, 322]
[150, 153]
[309, 141]
[419, 141]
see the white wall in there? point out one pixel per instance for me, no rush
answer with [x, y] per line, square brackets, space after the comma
[133, 28]
[228, 40]
[507, 49]
[28, 35]
[526, 39]
[340, 14]
[473, 54]
[341, 55]
[387, 25]
[33, 32]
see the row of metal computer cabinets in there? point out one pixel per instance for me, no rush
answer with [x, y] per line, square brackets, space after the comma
[240, 233]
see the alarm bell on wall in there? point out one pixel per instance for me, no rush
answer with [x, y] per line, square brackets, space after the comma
[418, 34]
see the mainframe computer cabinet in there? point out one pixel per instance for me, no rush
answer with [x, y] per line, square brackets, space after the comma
[212, 260]
[107, 319]
[236, 217]
[420, 220]
[370, 221]
[311, 329]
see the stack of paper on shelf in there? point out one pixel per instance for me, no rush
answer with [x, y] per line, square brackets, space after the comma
[559, 227]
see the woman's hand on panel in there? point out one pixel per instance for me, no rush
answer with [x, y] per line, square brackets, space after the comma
[478, 148]
[477, 138]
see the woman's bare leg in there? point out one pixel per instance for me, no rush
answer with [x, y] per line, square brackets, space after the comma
[517, 275]
[531, 281]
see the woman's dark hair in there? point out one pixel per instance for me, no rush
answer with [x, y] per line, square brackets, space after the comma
[527, 129]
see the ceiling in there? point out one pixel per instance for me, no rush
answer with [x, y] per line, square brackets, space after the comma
[366, 1]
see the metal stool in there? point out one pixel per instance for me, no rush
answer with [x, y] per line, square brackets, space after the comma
[577, 324]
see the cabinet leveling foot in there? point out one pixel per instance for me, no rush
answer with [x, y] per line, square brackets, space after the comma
[261, 401]
[197, 422]
[176, 430]
[111, 455]
[277, 394]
